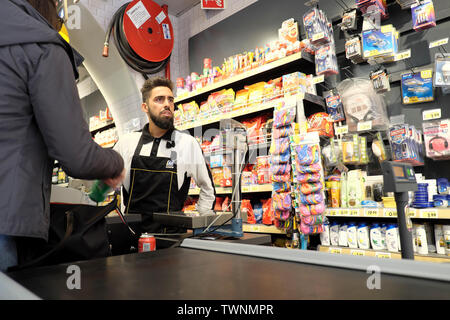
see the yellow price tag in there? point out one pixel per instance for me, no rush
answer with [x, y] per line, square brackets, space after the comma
[344, 212]
[332, 212]
[383, 255]
[364, 126]
[341, 130]
[426, 74]
[354, 212]
[371, 212]
[335, 250]
[360, 253]
[318, 79]
[411, 212]
[390, 212]
[403, 55]
[431, 114]
[386, 29]
[245, 189]
[438, 43]
[429, 214]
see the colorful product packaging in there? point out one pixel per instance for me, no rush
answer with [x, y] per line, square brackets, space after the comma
[417, 87]
[437, 138]
[423, 16]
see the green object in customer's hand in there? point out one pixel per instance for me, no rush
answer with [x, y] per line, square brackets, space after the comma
[99, 191]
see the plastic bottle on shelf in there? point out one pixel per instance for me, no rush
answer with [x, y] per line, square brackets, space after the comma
[392, 238]
[343, 240]
[352, 237]
[439, 239]
[446, 230]
[375, 237]
[334, 233]
[363, 236]
[383, 235]
[421, 236]
[325, 235]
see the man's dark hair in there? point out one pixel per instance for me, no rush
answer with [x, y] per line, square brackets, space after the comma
[47, 9]
[149, 84]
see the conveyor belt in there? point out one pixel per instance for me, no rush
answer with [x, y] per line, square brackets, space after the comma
[188, 273]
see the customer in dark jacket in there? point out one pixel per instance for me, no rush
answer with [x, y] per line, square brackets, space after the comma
[40, 120]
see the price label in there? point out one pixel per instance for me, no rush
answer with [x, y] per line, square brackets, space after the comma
[403, 55]
[341, 130]
[318, 79]
[431, 114]
[318, 36]
[390, 212]
[438, 43]
[426, 74]
[411, 212]
[360, 253]
[364, 126]
[429, 214]
[246, 189]
[354, 212]
[332, 212]
[383, 255]
[344, 212]
[370, 212]
[335, 250]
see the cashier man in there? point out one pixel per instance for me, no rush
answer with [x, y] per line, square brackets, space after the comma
[160, 161]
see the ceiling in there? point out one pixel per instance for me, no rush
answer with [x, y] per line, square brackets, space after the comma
[178, 7]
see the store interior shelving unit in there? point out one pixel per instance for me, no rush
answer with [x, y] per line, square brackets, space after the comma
[301, 61]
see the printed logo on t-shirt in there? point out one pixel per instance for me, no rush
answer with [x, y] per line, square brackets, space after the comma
[169, 164]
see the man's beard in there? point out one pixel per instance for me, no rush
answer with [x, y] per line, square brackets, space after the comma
[162, 122]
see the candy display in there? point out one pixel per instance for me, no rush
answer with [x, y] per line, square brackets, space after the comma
[417, 87]
[423, 15]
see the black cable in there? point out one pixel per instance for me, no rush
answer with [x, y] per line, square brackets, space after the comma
[126, 52]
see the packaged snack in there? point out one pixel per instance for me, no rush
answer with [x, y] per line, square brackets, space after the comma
[258, 212]
[247, 209]
[312, 220]
[322, 123]
[306, 154]
[241, 99]
[307, 229]
[268, 215]
[255, 94]
[280, 169]
[280, 146]
[280, 177]
[218, 204]
[282, 132]
[312, 198]
[309, 177]
[311, 209]
[280, 158]
[263, 176]
[226, 206]
[308, 188]
[217, 174]
[312, 168]
[281, 215]
[288, 31]
[294, 83]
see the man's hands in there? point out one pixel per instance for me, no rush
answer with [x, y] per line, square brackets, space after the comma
[115, 182]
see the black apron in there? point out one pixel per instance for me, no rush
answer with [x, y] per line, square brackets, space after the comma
[154, 185]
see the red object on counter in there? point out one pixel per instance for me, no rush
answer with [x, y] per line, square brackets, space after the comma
[146, 243]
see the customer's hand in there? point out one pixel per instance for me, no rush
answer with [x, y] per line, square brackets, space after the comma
[115, 182]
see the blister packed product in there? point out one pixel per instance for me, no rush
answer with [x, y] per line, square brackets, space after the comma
[313, 198]
[281, 201]
[308, 177]
[312, 168]
[362, 104]
[279, 146]
[417, 87]
[280, 187]
[280, 169]
[335, 108]
[282, 132]
[306, 154]
[308, 188]
[423, 15]
[442, 70]
[283, 117]
[322, 123]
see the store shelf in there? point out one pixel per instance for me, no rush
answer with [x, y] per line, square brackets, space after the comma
[103, 127]
[248, 75]
[429, 213]
[382, 254]
[245, 189]
[262, 228]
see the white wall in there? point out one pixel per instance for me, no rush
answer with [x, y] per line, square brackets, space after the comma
[185, 26]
